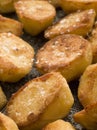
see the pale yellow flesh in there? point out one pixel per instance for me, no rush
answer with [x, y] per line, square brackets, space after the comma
[38, 108]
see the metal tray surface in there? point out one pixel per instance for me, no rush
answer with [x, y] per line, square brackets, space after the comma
[37, 42]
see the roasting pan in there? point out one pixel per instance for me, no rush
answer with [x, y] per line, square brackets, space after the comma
[37, 42]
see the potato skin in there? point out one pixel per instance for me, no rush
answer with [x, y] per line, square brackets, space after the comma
[69, 54]
[80, 22]
[29, 11]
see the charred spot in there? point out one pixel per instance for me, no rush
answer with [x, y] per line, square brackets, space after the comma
[32, 117]
[16, 49]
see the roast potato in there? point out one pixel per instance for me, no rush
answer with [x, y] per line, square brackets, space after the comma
[80, 23]
[87, 90]
[10, 25]
[74, 5]
[16, 58]
[59, 125]
[69, 54]
[87, 117]
[7, 123]
[34, 105]
[3, 99]
[35, 15]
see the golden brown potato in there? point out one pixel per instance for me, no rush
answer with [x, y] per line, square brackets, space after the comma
[80, 23]
[69, 54]
[74, 5]
[34, 105]
[59, 125]
[87, 90]
[3, 99]
[87, 117]
[7, 6]
[93, 40]
[35, 15]
[7, 123]
[16, 57]
[10, 25]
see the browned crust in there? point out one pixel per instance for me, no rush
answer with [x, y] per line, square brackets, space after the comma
[49, 57]
[79, 22]
[46, 9]
[54, 91]
[87, 87]
[10, 25]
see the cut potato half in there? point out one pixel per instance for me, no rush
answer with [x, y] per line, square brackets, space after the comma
[80, 23]
[16, 57]
[87, 117]
[59, 125]
[69, 54]
[87, 90]
[10, 25]
[34, 105]
[3, 99]
[73, 5]
[35, 15]
[7, 123]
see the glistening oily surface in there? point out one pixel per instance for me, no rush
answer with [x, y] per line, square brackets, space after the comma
[38, 42]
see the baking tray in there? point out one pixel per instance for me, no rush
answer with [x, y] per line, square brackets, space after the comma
[37, 42]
